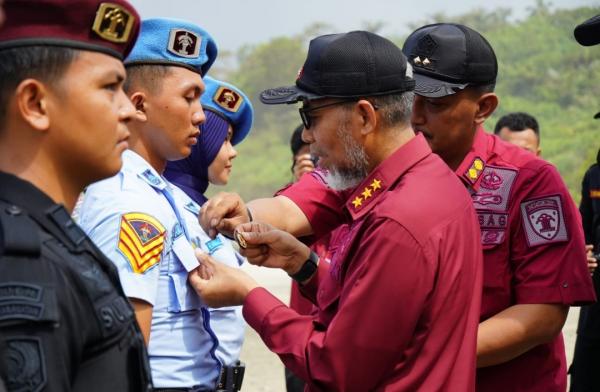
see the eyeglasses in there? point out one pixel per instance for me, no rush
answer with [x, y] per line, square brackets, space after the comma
[306, 118]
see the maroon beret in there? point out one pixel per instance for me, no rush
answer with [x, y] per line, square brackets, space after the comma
[108, 27]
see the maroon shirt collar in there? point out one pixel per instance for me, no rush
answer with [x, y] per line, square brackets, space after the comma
[471, 168]
[366, 194]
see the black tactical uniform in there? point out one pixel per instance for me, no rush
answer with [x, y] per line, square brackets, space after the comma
[65, 323]
[585, 371]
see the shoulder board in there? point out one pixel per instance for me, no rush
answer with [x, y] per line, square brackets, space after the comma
[19, 234]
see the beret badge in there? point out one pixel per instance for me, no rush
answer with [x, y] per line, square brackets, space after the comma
[113, 23]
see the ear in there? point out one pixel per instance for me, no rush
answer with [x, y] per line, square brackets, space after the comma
[140, 103]
[538, 152]
[31, 98]
[486, 105]
[367, 116]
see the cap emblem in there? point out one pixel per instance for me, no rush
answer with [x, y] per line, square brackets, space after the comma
[417, 60]
[426, 62]
[184, 43]
[228, 99]
[113, 23]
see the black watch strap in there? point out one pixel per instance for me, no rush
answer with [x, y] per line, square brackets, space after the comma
[308, 268]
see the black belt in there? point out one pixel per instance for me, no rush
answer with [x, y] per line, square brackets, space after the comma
[230, 380]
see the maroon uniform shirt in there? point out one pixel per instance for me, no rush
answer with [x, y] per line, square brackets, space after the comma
[399, 303]
[534, 252]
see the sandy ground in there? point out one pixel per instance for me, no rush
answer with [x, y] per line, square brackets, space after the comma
[264, 371]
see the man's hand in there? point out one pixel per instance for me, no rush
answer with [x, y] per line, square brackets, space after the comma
[591, 260]
[273, 248]
[222, 213]
[302, 164]
[218, 284]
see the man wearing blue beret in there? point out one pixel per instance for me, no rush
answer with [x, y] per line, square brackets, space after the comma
[134, 217]
[229, 116]
[65, 322]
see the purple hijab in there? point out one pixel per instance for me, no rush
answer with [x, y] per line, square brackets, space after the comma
[191, 173]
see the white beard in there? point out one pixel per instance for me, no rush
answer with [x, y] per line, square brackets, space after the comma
[355, 169]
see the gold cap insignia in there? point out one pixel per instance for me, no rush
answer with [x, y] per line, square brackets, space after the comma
[228, 99]
[113, 23]
[184, 43]
[426, 62]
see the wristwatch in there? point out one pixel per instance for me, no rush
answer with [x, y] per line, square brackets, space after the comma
[308, 268]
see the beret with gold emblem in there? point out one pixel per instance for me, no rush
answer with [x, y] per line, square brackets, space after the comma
[230, 103]
[109, 27]
[174, 42]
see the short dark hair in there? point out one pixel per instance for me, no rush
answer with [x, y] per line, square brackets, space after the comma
[483, 88]
[150, 76]
[45, 63]
[516, 122]
[296, 142]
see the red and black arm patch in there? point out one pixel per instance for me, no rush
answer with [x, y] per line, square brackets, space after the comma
[141, 240]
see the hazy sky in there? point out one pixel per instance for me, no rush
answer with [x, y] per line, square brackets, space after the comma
[234, 23]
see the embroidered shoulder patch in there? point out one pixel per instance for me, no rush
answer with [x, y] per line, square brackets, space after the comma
[25, 359]
[544, 221]
[141, 240]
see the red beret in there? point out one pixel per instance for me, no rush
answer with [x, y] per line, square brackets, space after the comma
[108, 27]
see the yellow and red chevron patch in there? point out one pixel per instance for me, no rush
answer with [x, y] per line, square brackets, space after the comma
[141, 240]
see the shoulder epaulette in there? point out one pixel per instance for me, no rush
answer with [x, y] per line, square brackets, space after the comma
[19, 234]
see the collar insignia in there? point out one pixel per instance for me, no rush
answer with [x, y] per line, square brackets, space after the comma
[367, 193]
[474, 171]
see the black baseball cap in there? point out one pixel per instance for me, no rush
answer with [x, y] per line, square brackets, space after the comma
[447, 57]
[349, 65]
[588, 33]
[597, 115]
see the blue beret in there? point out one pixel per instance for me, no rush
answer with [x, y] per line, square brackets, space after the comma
[173, 42]
[230, 103]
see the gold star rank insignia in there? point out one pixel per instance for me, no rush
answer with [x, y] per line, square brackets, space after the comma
[357, 202]
[228, 99]
[113, 23]
[141, 240]
[366, 193]
[376, 184]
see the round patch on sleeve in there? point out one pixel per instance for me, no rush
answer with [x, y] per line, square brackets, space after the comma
[141, 240]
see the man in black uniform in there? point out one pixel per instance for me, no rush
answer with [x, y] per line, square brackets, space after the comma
[585, 370]
[65, 323]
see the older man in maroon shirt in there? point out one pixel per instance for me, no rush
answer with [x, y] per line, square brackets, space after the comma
[399, 303]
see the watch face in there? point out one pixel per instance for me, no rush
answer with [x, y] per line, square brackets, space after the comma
[308, 269]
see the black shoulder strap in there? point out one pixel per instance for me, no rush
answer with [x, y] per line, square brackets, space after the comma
[19, 234]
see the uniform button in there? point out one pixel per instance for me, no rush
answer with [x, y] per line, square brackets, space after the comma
[14, 210]
[565, 285]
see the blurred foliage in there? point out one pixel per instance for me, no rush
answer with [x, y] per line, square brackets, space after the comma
[542, 71]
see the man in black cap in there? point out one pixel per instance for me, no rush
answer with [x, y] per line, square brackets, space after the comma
[586, 358]
[399, 302]
[65, 323]
[534, 254]
[534, 259]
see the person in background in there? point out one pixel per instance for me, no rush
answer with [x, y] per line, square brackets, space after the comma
[229, 116]
[520, 129]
